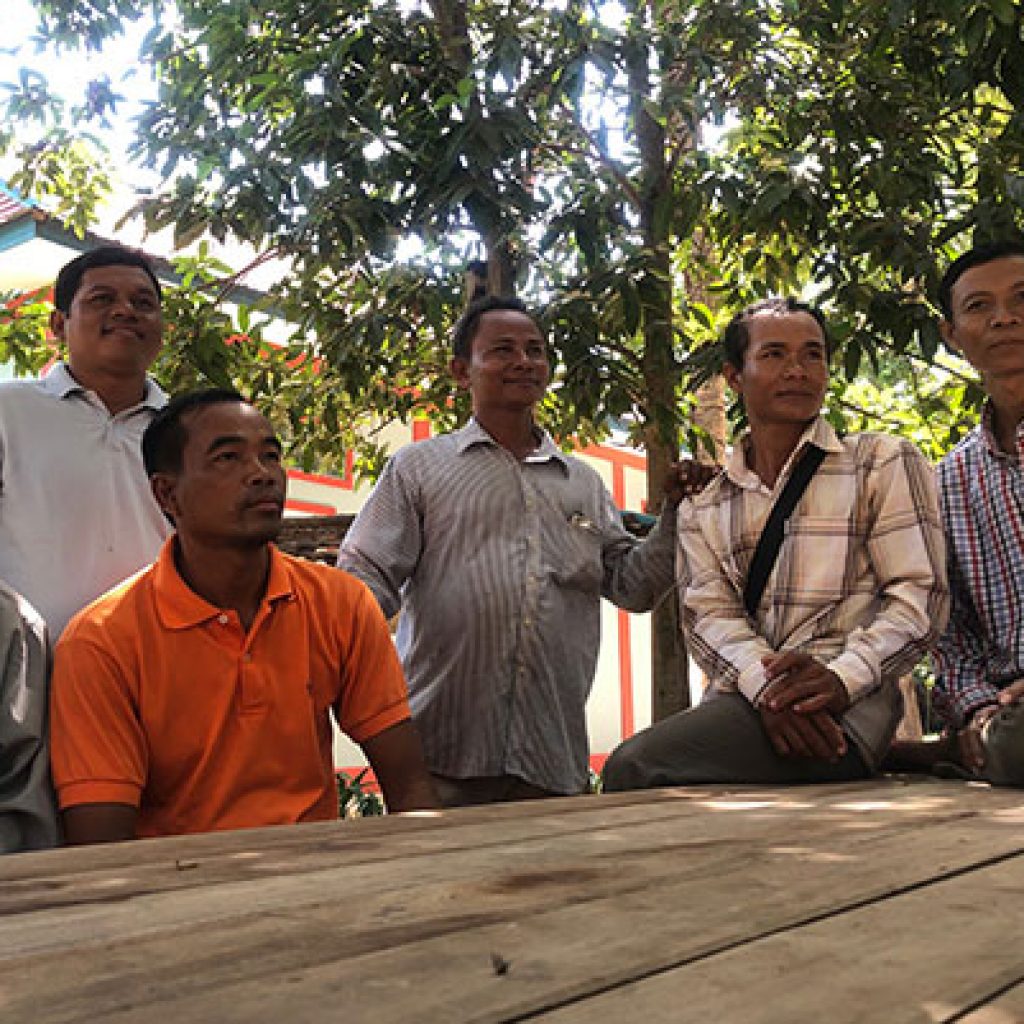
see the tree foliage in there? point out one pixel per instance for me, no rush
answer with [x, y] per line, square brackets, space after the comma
[870, 141]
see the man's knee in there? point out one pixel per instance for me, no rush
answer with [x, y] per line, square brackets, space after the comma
[622, 771]
[1004, 746]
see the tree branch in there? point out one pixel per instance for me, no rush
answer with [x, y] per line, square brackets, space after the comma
[610, 165]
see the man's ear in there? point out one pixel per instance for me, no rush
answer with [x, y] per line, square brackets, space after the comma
[458, 367]
[57, 319]
[733, 377]
[164, 488]
[948, 333]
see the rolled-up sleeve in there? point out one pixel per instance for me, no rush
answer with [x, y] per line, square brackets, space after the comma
[384, 543]
[723, 640]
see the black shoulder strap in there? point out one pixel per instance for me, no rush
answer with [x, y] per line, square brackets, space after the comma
[770, 541]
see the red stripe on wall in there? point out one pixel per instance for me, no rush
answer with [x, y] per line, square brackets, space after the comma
[616, 456]
[344, 483]
[314, 508]
[625, 676]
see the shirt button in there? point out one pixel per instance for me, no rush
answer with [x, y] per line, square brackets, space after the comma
[222, 619]
[527, 623]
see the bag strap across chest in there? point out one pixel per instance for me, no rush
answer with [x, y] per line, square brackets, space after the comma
[768, 544]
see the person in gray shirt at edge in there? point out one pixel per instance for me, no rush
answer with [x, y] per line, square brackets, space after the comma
[28, 814]
[498, 548]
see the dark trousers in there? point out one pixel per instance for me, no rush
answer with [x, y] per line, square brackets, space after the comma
[485, 790]
[720, 740]
[1003, 739]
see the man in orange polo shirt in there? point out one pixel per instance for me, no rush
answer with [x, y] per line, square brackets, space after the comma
[197, 695]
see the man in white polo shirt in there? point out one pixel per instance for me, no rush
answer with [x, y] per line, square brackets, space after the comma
[76, 512]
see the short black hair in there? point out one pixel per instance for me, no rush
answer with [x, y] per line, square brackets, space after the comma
[70, 277]
[163, 443]
[466, 327]
[974, 257]
[736, 337]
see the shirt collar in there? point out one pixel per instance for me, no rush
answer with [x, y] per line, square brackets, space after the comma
[819, 432]
[180, 607]
[986, 427]
[59, 382]
[473, 434]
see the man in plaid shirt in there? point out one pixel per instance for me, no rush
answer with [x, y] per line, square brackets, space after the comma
[980, 658]
[803, 688]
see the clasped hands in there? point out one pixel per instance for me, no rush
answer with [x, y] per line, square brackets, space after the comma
[798, 707]
[970, 748]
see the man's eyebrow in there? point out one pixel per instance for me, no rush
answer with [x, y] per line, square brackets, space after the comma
[227, 440]
[512, 336]
[223, 441]
[987, 293]
[103, 286]
[774, 343]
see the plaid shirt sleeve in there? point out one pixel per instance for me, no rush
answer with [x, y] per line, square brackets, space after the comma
[961, 663]
[962, 655]
[723, 641]
[907, 552]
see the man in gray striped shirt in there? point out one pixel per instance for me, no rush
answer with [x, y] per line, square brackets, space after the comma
[498, 548]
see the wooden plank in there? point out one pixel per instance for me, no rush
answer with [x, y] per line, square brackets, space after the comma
[1006, 1008]
[414, 940]
[346, 834]
[556, 814]
[924, 955]
[275, 854]
[123, 870]
[106, 905]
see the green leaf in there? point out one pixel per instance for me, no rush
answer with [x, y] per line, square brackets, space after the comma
[1004, 11]
[631, 308]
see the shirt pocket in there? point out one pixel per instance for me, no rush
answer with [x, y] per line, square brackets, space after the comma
[576, 561]
[816, 569]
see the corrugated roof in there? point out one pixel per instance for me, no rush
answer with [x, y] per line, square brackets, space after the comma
[11, 208]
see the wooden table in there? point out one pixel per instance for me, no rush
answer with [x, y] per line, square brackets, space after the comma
[882, 901]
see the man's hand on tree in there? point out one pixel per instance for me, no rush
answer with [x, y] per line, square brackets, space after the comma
[686, 479]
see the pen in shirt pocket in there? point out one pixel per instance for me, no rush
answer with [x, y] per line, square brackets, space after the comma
[581, 522]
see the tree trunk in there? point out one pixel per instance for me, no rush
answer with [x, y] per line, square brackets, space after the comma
[709, 416]
[670, 690]
[709, 412]
[501, 269]
[670, 682]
